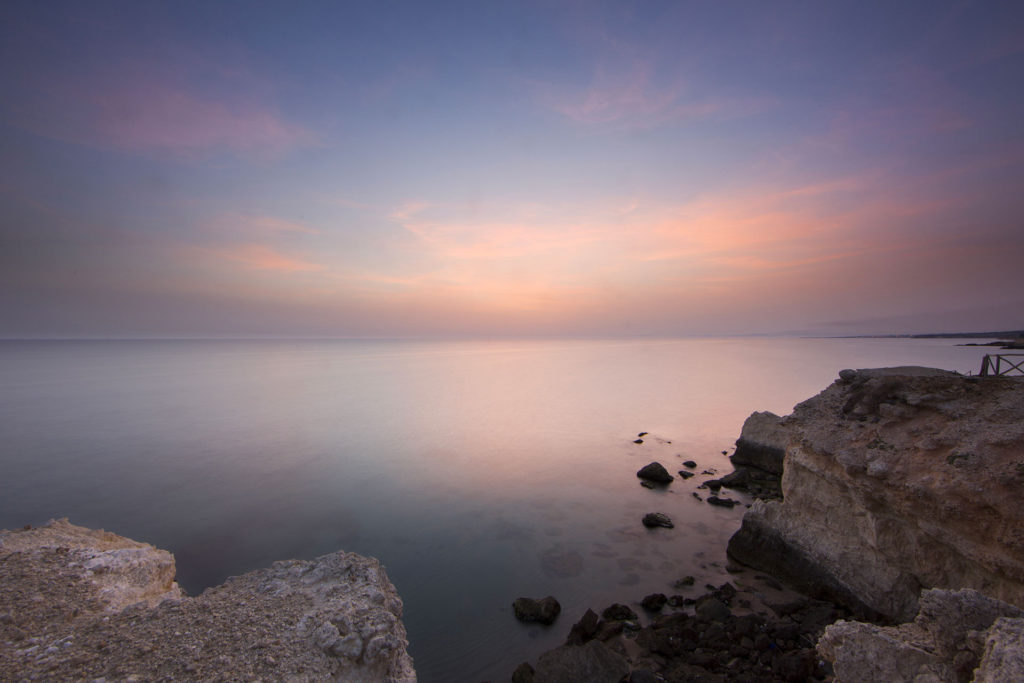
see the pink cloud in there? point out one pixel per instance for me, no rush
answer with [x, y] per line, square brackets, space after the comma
[153, 112]
[263, 257]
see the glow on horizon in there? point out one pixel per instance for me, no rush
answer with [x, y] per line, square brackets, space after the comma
[586, 173]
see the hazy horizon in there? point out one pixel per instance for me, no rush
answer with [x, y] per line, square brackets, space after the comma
[510, 170]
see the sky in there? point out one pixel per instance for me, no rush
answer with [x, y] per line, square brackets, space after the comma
[435, 169]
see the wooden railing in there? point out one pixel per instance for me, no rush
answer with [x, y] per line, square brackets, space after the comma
[993, 365]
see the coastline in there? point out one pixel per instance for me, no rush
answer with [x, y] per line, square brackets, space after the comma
[570, 616]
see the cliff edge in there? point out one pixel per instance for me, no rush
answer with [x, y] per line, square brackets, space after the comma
[82, 604]
[895, 480]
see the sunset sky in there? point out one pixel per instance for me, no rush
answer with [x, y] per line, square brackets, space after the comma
[424, 169]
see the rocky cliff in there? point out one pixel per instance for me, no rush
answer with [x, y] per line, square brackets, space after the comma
[895, 480]
[80, 604]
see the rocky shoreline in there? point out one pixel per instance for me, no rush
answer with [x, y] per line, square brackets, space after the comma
[890, 497]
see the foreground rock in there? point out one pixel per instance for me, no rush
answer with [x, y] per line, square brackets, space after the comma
[79, 604]
[956, 636]
[894, 480]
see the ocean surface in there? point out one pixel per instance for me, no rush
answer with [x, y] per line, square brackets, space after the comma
[477, 471]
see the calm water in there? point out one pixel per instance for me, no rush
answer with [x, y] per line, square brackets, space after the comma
[476, 471]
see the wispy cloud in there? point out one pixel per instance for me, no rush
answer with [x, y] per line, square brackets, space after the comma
[263, 257]
[147, 112]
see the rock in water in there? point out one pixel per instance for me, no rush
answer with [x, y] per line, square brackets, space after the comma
[619, 612]
[654, 602]
[882, 492]
[656, 519]
[722, 502]
[656, 472]
[112, 605]
[544, 611]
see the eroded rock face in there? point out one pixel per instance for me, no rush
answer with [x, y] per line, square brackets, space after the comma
[80, 604]
[956, 636]
[897, 479]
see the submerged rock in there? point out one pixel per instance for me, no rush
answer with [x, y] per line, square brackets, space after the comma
[114, 609]
[655, 472]
[544, 611]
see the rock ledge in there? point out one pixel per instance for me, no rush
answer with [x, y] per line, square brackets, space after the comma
[81, 604]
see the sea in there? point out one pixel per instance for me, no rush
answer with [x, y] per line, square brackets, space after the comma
[476, 471]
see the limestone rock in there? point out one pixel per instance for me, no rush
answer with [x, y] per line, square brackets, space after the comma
[895, 480]
[953, 633]
[1003, 659]
[655, 472]
[762, 443]
[93, 605]
[122, 572]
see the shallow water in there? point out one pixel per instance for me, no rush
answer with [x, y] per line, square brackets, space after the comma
[477, 471]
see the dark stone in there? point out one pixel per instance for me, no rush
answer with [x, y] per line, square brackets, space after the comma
[712, 609]
[523, 673]
[642, 676]
[638, 441]
[593, 662]
[675, 601]
[722, 502]
[646, 484]
[726, 592]
[713, 484]
[685, 581]
[690, 463]
[696, 495]
[585, 629]
[685, 475]
[619, 612]
[656, 519]
[543, 611]
[642, 435]
[655, 471]
[654, 602]
[795, 666]
[607, 630]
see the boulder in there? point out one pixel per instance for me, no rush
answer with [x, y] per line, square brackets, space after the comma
[655, 472]
[654, 602]
[619, 612]
[762, 443]
[544, 611]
